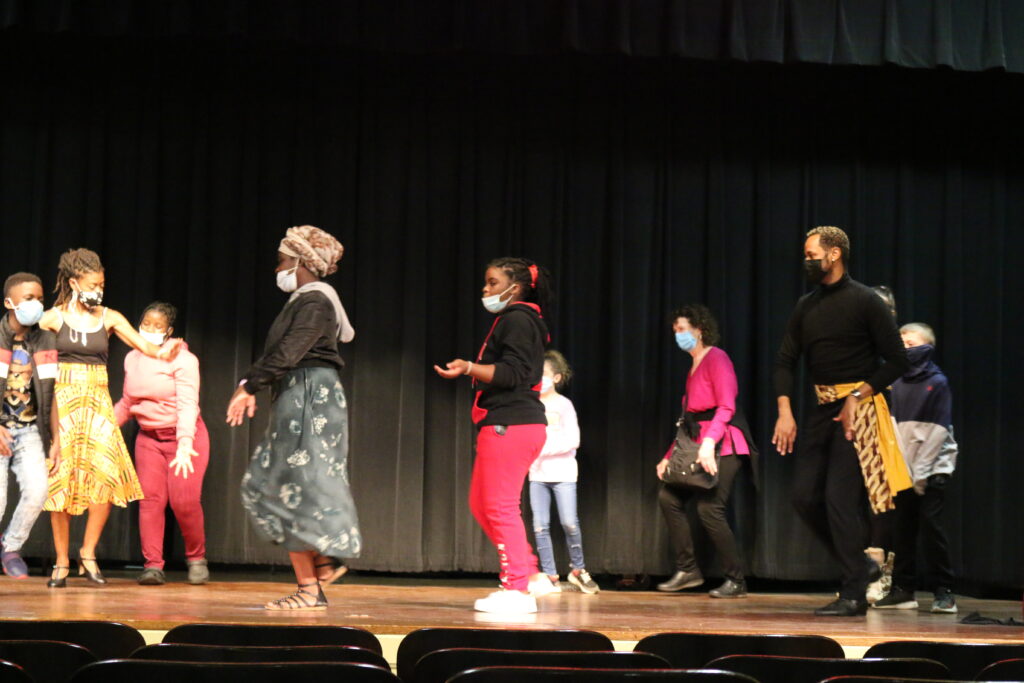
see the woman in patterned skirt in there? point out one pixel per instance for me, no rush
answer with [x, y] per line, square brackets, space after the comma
[90, 467]
[296, 488]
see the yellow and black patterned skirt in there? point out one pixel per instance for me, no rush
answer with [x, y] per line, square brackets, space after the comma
[95, 466]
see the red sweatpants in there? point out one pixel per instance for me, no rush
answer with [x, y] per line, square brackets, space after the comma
[154, 451]
[501, 465]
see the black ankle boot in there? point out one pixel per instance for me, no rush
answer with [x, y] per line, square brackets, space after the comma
[681, 580]
[730, 589]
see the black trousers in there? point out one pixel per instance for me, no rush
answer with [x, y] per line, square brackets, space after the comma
[711, 511]
[830, 497]
[919, 517]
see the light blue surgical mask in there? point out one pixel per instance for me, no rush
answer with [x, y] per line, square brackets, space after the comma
[28, 312]
[493, 303]
[687, 342]
[546, 384]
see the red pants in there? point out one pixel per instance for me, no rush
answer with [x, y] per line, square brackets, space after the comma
[502, 463]
[154, 451]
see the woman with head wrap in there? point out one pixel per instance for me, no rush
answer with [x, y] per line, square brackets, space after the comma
[296, 487]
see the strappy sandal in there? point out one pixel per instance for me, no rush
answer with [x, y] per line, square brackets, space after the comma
[338, 569]
[300, 600]
[58, 582]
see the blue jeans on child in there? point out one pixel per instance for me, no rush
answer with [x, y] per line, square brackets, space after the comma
[28, 462]
[540, 502]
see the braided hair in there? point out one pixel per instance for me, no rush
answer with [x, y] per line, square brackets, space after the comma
[167, 310]
[74, 263]
[534, 280]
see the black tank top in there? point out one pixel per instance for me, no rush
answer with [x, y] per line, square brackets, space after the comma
[89, 347]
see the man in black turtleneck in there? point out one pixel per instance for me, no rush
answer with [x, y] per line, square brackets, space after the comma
[843, 328]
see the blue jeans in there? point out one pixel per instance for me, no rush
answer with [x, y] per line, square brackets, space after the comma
[28, 462]
[540, 503]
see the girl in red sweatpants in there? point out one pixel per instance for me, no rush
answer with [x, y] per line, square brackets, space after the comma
[510, 420]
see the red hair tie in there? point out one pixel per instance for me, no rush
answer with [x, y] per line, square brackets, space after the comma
[533, 276]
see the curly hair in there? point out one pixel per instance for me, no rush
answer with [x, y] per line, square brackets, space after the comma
[518, 270]
[830, 236]
[74, 263]
[559, 365]
[699, 316]
[167, 310]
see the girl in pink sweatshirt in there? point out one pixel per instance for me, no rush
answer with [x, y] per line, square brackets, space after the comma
[172, 449]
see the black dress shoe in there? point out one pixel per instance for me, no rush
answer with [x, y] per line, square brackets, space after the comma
[730, 589]
[843, 608]
[681, 580]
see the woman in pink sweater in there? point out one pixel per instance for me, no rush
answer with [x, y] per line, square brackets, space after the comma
[172, 448]
[710, 408]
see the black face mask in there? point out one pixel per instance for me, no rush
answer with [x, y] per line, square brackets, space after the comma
[813, 271]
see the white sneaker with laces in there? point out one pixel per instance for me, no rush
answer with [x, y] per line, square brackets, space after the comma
[541, 585]
[506, 602]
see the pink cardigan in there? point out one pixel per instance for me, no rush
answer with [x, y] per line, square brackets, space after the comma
[161, 394]
[713, 385]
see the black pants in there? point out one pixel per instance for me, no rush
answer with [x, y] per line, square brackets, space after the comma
[829, 495]
[711, 511]
[920, 517]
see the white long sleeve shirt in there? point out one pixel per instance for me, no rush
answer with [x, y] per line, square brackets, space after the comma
[557, 460]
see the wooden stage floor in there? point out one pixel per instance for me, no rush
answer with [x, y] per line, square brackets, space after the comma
[386, 608]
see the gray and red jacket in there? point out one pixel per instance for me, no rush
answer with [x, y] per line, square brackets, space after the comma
[41, 347]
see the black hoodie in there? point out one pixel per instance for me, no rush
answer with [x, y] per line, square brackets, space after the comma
[515, 346]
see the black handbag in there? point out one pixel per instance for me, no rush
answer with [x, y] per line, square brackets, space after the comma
[683, 469]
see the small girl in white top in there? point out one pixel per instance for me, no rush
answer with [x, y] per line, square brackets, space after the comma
[554, 472]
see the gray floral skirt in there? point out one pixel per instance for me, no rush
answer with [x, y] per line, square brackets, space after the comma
[296, 488]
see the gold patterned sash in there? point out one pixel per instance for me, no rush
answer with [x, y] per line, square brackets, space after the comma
[874, 438]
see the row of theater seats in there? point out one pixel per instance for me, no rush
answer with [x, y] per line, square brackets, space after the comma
[108, 652]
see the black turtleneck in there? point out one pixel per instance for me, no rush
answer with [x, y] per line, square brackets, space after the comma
[844, 329]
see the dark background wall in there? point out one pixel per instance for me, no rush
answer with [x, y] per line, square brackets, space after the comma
[641, 182]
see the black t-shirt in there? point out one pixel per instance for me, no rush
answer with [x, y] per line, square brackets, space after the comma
[19, 407]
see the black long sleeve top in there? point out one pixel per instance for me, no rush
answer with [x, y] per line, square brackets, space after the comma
[844, 329]
[304, 334]
[515, 346]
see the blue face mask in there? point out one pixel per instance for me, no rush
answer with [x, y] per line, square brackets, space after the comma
[687, 342]
[28, 312]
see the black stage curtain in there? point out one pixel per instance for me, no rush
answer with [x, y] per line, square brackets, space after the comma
[969, 35]
[642, 184]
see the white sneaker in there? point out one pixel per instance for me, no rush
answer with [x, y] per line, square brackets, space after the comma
[506, 602]
[541, 585]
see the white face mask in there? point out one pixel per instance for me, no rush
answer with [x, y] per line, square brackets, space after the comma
[153, 337]
[288, 280]
[493, 303]
[546, 384]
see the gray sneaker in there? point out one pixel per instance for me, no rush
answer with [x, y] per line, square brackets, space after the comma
[151, 576]
[944, 602]
[198, 573]
[581, 579]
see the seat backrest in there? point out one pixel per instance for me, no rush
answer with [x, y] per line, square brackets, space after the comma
[772, 669]
[104, 639]
[146, 671]
[1004, 670]
[440, 665]
[964, 660]
[424, 640]
[272, 634]
[694, 650]
[518, 674]
[12, 673]
[187, 652]
[46, 660]
[887, 679]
